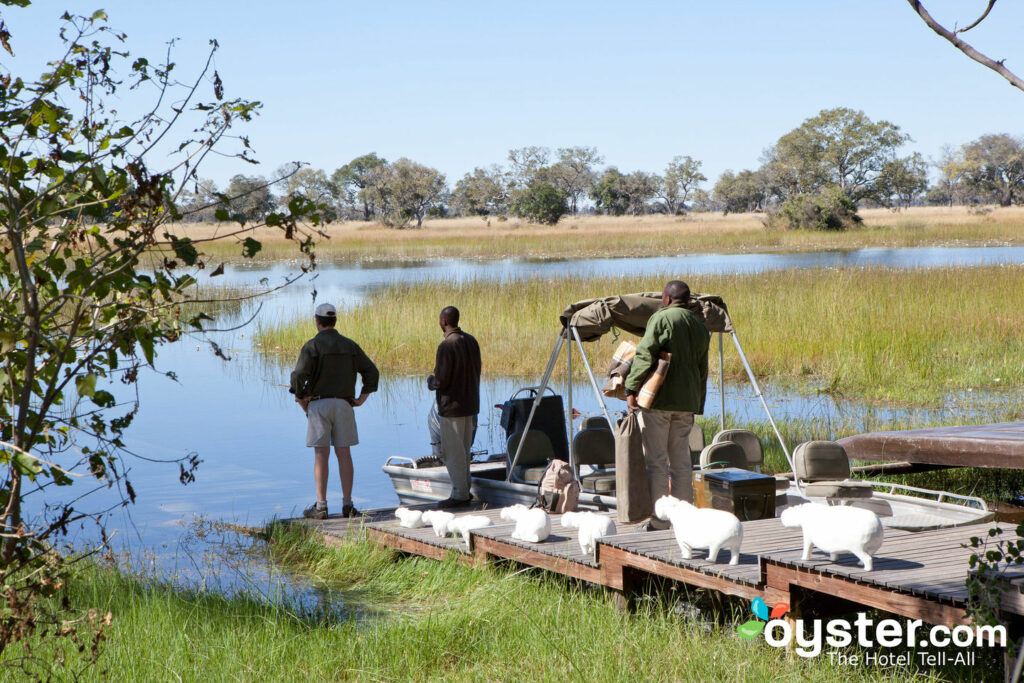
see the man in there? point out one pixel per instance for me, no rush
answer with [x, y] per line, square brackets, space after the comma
[324, 384]
[456, 380]
[665, 426]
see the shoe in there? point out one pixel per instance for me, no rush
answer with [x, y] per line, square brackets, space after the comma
[350, 511]
[313, 513]
[454, 503]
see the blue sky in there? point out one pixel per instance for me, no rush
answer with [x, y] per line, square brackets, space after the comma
[456, 84]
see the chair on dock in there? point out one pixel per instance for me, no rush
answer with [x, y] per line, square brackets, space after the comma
[537, 453]
[594, 445]
[825, 469]
[723, 454]
[751, 445]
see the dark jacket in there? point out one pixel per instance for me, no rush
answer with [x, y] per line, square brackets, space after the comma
[457, 375]
[680, 332]
[327, 366]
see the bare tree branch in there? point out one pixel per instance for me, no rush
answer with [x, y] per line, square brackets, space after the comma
[991, 4]
[951, 36]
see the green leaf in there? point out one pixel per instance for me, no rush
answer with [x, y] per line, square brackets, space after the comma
[185, 250]
[26, 464]
[250, 247]
[750, 629]
[86, 384]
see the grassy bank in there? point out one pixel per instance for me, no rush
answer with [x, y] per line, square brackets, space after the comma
[879, 334]
[430, 621]
[620, 236]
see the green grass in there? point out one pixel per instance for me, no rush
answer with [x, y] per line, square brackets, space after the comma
[440, 621]
[878, 334]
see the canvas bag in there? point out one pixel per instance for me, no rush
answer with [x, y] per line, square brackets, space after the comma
[558, 490]
[632, 494]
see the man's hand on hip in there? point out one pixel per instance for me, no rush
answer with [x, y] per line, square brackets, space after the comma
[304, 403]
[356, 402]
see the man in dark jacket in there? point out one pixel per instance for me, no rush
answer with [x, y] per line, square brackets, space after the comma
[665, 426]
[324, 384]
[456, 380]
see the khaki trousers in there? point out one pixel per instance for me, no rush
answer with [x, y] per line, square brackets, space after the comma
[456, 441]
[666, 439]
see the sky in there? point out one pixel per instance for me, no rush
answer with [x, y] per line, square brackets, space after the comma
[455, 85]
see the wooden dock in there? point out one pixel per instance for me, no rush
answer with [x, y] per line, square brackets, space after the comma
[917, 575]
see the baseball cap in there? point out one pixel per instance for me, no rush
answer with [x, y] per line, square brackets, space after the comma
[325, 311]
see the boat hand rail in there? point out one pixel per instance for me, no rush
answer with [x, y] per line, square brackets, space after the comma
[941, 496]
[400, 457]
[533, 389]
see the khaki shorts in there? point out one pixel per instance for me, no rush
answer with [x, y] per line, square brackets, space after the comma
[332, 422]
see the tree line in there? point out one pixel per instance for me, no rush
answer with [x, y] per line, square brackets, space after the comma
[832, 163]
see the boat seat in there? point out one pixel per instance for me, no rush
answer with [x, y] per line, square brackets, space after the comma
[751, 445]
[537, 453]
[848, 488]
[596, 447]
[696, 443]
[595, 422]
[825, 471]
[723, 454]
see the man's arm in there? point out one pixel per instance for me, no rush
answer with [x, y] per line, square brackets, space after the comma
[702, 364]
[303, 371]
[646, 353]
[443, 367]
[368, 373]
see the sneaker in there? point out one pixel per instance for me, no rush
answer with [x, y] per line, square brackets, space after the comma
[312, 512]
[350, 511]
[453, 503]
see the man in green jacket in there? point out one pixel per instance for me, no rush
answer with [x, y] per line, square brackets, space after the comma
[665, 426]
[324, 384]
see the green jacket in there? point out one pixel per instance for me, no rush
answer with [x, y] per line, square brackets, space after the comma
[680, 332]
[327, 366]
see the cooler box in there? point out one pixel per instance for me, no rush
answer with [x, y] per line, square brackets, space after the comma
[748, 495]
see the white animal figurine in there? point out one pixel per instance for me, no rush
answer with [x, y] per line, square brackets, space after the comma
[409, 519]
[533, 525]
[591, 527]
[439, 520]
[836, 529]
[701, 528]
[463, 525]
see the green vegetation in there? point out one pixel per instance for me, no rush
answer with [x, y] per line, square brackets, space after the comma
[825, 209]
[910, 336]
[418, 619]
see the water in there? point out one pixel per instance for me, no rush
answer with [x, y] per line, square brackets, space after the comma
[239, 418]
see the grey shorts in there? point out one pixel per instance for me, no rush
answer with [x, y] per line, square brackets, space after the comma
[332, 422]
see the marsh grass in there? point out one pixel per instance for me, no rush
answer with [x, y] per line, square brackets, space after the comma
[913, 336]
[445, 622]
[623, 236]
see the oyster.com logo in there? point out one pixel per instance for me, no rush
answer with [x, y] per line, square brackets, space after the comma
[752, 629]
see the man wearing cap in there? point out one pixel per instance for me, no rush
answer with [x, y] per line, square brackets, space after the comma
[456, 380]
[665, 426]
[324, 384]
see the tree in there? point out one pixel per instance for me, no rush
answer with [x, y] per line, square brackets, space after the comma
[403, 191]
[541, 202]
[353, 178]
[310, 183]
[740, 192]
[92, 283]
[994, 164]
[609, 193]
[481, 193]
[682, 177]
[829, 208]
[952, 186]
[902, 180]
[526, 163]
[841, 147]
[573, 172]
[250, 197]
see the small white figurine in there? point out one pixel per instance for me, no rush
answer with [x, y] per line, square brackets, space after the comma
[836, 529]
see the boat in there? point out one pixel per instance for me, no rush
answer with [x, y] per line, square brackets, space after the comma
[494, 479]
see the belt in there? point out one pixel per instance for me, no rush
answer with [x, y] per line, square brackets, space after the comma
[343, 398]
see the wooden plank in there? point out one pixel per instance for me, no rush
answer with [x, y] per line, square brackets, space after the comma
[781, 580]
[415, 547]
[618, 557]
[554, 563]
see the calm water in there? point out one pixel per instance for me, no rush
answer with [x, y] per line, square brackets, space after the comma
[241, 421]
